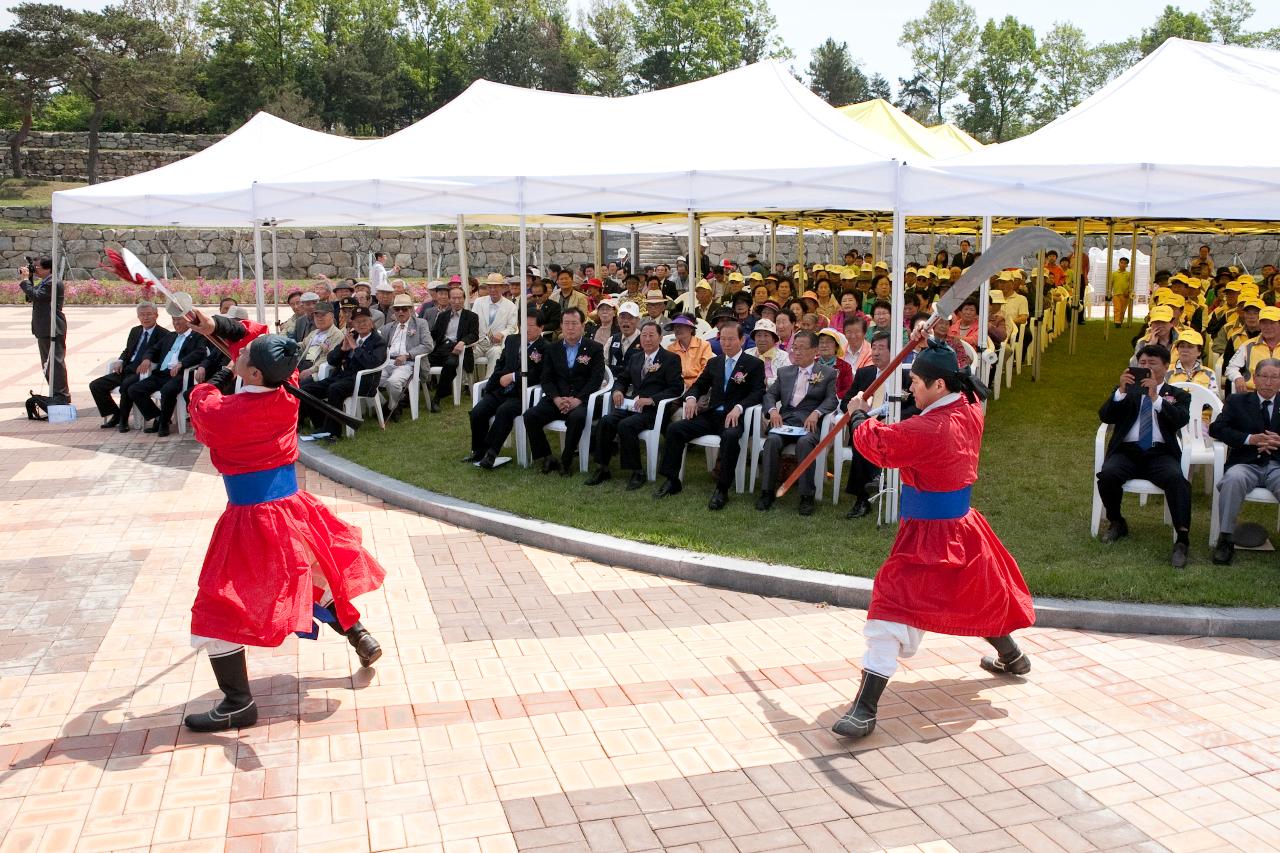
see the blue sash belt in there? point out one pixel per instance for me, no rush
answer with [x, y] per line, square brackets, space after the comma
[258, 487]
[933, 506]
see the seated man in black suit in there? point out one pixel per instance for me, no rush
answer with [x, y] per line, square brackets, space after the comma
[732, 382]
[136, 358]
[454, 333]
[572, 370]
[862, 472]
[803, 393]
[652, 374]
[1147, 414]
[1248, 425]
[178, 350]
[503, 393]
[362, 349]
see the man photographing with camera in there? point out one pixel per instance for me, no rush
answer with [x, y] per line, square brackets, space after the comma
[49, 329]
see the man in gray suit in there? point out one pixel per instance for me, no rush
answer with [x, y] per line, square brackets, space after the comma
[802, 394]
[407, 337]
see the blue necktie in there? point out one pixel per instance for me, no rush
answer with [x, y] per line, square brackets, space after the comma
[142, 345]
[1145, 433]
[728, 371]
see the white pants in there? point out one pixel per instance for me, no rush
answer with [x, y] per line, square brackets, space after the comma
[394, 379]
[219, 648]
[886, 643]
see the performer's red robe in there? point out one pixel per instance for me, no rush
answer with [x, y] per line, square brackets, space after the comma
[948, 575]
[255, 586]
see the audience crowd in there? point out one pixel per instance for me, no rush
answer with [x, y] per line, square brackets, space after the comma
[617, 349]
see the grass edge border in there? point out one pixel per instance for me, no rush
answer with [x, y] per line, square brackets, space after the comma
[757, 578]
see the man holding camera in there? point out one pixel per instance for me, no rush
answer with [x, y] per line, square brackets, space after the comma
[49, 329]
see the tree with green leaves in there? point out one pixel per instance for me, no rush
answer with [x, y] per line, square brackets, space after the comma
[1174, 23]
[34, 55]
[1000, 82]
[685, 40]
[915, 98]
[878, 87]
[606, 47]
[760, 39]
[834, 76]
[1109, 60]
[941, 43]
[125, 66]
[529, 46]
[1066, 76]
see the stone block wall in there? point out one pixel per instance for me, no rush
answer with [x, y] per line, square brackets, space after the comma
[62, 156]
[304, 253]
[188, 142]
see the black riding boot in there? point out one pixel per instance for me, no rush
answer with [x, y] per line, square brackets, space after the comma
[367, 648]
[1011, 660]
[860, 720]
[237, 710]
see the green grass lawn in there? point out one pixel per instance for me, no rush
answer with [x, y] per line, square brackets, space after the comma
[30, 193]
[1035, 487]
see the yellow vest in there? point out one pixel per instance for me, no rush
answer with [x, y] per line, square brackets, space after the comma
[1259, 351]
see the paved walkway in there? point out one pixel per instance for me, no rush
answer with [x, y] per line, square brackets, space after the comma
[535, 702]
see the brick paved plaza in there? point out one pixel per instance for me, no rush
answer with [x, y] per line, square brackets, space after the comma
[531, 701]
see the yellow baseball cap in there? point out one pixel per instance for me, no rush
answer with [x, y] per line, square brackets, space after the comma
[1246, 279]
[735, 276]
[1232, 286]
[1178, 278]
[881, 265]
[1250, 303]
[819, 268]
[1161, 314]
[1271, 312]
[755, 276]
[1190, 336]
[944, 275]
[1175, 300]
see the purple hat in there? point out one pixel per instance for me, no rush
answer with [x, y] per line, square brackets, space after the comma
[680, 320]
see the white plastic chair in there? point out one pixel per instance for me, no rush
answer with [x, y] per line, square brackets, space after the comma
[181, 410]
[517, 428]
[1013, 355]
[711, 443]
[1257, 496]
[1142, 488]
[414, 388]
[357, 403]
[819, 464]
[560, 426]
[457, 381]
[650, 438]
[1195, 435]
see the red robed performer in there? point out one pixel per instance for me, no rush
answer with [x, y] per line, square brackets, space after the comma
[279, 560]
[947, 571]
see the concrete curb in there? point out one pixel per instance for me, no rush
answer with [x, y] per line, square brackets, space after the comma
[758, 578]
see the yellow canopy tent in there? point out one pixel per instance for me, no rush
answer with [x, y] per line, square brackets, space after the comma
[935, 143]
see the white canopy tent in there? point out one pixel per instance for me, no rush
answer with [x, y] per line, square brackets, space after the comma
[211, 188]
[582, 154]
[1102, 159]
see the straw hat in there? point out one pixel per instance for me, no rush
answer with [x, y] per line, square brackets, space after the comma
[495, 278]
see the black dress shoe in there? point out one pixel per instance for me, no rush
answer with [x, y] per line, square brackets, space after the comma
[550, 464]
[601, 474]
[163, 431]
[806, 505]
[153, 429]
[486, 461]
[670, 487]
[1115, 530]
[435, 406]
[859, 509]
[1178, 559]
[124, 427]
[638, 481]
[765, 500]
[566, 467]
[1225, 551]
[470, 457]
[718, 500]
[110, 423]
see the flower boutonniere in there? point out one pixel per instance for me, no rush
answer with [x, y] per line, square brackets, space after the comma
[817, 377]
[653, 368]
[584, 359]
[535, 356]
[738, 377]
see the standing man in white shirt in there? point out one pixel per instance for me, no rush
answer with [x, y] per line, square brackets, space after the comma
[378, 272]
[497, 317]
[407, 337]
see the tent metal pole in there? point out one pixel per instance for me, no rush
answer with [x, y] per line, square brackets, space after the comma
[773, 244]
[634, 246]
[427, 268]
[1077, 262]
[692, 258]
[542, 248]
[899, 249]
[1155, 252]
[804, 273]
[524, 302]
[932, 241]
[598, 232]
[259, 288]
[463, 271]
[1107, 294]
[984, 307]
[55, 283]
[1039, 314]
[875, 239]
[835, 244]
[1133, 265]
[275, 274]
